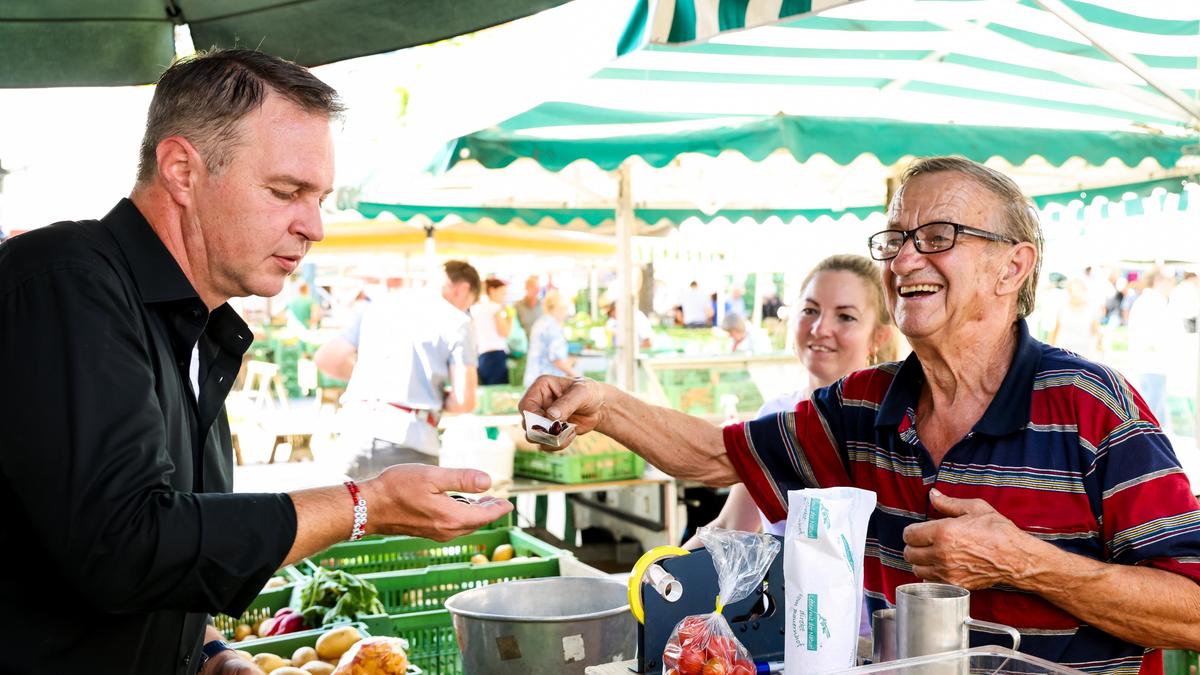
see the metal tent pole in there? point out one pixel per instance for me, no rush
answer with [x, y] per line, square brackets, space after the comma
[1076, 22]
[627, 342]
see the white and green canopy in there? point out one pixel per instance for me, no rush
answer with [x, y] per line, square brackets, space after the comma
[812, 115]
[1066, 96]
[889, 78]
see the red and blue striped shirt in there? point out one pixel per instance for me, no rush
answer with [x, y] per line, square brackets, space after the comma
[1067, 450]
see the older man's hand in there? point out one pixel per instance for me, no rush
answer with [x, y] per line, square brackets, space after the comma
[577, 401]
[973, 547]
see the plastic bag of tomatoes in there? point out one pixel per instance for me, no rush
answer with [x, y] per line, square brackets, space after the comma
[704, 644]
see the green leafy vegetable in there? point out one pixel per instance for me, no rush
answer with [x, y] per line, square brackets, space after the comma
[334, 596]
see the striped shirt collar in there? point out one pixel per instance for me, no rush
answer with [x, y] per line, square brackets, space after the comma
[1008, 411]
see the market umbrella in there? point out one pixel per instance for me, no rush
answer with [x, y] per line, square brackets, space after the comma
[1063, 89]
[56, 43]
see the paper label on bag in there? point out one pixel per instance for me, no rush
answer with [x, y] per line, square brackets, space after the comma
[823, 544]
[814, 518]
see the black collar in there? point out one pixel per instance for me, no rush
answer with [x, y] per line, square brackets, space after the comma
[159, 279]
[155, 271]
[1009, 409]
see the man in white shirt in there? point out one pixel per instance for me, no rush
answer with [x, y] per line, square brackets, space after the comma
[697, 307]
[408, 358]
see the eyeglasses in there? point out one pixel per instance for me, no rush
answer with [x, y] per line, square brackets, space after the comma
[929, 238]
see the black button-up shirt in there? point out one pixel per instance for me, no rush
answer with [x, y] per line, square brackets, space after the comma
[119, 536]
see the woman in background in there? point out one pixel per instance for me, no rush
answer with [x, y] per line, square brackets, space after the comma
[548, 342]
[842, 325]
[493, 324]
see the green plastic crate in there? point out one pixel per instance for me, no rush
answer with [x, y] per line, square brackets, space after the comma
[408, 591]
[432, 644]
[498, 399]
[578, 468]
[424, 589]
[1179, 662]
[389, 554]
[285, 645]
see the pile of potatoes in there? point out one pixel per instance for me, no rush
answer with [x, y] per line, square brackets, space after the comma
[502, 553]
[245, 631]
[307, 660]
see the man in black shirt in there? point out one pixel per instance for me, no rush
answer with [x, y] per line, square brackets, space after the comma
[117, 349]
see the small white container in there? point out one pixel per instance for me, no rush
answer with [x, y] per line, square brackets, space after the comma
[465, 445]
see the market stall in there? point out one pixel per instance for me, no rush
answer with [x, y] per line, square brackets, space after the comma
[821, 112]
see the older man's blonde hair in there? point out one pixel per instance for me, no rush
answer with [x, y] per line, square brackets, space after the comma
[1019, 218]
[552, 302]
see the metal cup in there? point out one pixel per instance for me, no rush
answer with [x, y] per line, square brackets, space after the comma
[883, 635]
[933, 618]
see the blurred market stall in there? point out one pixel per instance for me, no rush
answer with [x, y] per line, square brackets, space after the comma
[817, 114]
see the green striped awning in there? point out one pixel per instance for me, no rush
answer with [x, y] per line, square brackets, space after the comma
[847, 95]
[590, 218]
[980, 78]
[1071, 205]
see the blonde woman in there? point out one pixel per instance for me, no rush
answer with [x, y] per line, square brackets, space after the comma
[841, 325]
[547, 342]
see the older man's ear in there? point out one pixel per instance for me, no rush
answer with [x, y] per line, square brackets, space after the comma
[1021, 261]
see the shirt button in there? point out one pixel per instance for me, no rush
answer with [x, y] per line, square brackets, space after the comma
[195, 314]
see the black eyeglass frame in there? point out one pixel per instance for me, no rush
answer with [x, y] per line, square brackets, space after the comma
[958, 230]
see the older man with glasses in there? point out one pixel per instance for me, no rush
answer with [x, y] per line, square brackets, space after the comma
[1035, 478]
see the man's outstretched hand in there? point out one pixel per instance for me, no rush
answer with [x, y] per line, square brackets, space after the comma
[412, 499]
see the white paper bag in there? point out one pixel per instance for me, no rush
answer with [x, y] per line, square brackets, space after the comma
[822, 562]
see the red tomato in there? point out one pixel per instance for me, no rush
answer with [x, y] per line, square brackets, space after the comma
[691, 662]
[722, 647]
[716, 666]
[692, 629]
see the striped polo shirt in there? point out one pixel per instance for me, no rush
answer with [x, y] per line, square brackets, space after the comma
[1067, 450]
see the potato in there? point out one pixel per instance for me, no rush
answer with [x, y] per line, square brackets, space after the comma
[333, 644]
[479, 559]
[244, 654]
[290, 670]
[503, 552]
[303, 655]
[318, 668]
[268, 662]
[242, 631]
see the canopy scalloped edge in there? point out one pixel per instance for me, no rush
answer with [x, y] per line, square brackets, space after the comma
[842, 139]
[597, 217]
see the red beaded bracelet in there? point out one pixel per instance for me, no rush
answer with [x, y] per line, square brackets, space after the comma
[360, 511]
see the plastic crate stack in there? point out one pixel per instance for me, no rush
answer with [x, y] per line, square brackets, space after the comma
[414, 578]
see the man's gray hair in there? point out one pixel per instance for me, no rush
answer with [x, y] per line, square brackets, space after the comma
[1019, 217]
[203, 98]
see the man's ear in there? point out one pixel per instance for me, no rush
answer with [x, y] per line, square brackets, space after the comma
[1017, 267]
[179, 165]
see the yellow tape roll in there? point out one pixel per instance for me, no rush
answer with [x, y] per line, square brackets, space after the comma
[639, 570]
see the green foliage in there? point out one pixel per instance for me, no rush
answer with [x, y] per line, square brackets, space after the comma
[334, 596]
